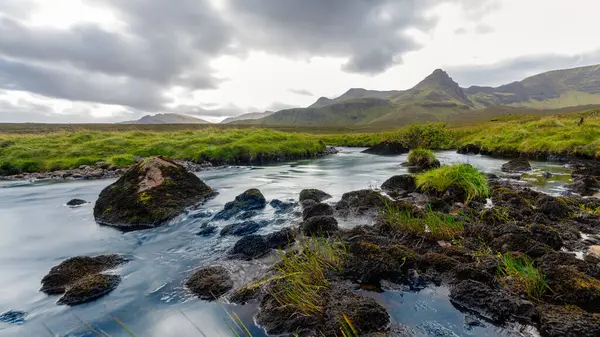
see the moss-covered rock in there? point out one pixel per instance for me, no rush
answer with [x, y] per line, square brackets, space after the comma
[320, 209]
[89, 288]
[517, 165]
[210, 283]
[68, 272]
[313, 194]
[400, 183]
[319, 225]
[371, 262]
[571, 286]
[250, 200]
[250, 247]
[148, 194]
[361, 202]
[567, 321]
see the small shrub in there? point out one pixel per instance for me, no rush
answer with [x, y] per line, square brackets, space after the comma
[423, 158]
[518, 271]
[462, 176]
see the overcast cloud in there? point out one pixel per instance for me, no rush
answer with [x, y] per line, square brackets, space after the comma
[109, 60]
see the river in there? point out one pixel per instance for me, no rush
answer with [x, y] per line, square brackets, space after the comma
[39, 231]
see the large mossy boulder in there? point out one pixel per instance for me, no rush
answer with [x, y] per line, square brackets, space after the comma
[250, 200]
[313, 194]
[80, 279]
[148, 194]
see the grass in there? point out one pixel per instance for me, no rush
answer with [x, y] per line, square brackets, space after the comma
[518, 271]
[422, 157]
[462, 176]
[431, 224]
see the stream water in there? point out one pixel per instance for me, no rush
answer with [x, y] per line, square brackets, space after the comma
[39, 231]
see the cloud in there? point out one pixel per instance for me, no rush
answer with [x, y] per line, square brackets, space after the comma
[460, 31]
[226, 111]
[483, 29]
[303, 92]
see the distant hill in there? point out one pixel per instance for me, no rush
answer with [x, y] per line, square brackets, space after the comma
[167, 118]
[248, 116]
[439, 98]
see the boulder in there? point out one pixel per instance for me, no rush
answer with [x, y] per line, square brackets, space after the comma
[319, 209]
[281, 207]
[250, 247]
[251, 199]
[313, 194]
[360, 202]
[207, 230]
[469, 149]
[400, 183]
[319, 225]
[516, 165]
[68, 272]
[76, 202]
[89, 288]
[148, 194]
[387, 148]
[281, 239]
[210, 283]
[242, 228]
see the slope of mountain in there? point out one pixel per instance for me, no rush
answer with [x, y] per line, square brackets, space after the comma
[437, 88]
[167, 118]
[354, 93]
[248, 116]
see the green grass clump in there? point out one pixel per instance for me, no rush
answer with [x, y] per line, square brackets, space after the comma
[431, 224]
[519, 271]
[463, 176]
[422, 158]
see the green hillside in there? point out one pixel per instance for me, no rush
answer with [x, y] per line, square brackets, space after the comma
[168, 119]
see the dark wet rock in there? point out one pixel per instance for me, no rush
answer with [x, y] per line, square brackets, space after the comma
[552, 260]
[400, 183]
[210, 283]
[546, 235]
[469, 149]
[518, 239]
[496, 302]
[517, 165]
[571, 286]
[439, 262]
[313, 194]
[308, 203]
[476, 271]
[63, 276]
[282, 207]
[243, 228]
[251, 199]
[202, 214]
[247, 215]
[245, 294]
[320, 209]
[366, 315]
[207, 230]
[250, 247]
[319, 225]
[586, 176]
[89, 288]
[360, 202]
[150, 193]
[13, 317]
[76, 202]
[281, 239]
[552, 207]
[547, 175]
[279, 320]
[388, 148]
[558, 321]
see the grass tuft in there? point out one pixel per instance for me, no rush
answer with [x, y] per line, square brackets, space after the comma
[518, 271]
[431, 224]
[422, 158]
[462, 176]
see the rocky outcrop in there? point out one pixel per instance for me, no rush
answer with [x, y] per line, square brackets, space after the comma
[150, 193]
[250, 200]
[210, 283]
[517, 165]
[80, 279]
[388, 148]
[313, 194]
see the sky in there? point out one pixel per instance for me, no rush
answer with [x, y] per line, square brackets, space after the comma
[80, 61]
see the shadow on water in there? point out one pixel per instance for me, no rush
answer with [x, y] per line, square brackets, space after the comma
[40, 231]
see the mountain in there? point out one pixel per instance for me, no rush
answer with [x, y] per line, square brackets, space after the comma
[354, 93]
[167, 118]
[248, 116]
[439, 98]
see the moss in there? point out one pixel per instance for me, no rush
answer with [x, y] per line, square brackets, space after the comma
[461, 176]
[145, 197]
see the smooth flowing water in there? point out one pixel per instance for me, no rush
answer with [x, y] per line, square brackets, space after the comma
[39, 231]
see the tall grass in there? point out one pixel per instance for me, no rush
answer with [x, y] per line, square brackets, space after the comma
[430, 224]
[519, 271]
[422, 157]
[462, 176]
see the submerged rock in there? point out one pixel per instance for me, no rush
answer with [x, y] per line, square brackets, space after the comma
[313, 194]
[319, 225]
[76, 202]
[250, 200]
[68, 272]
[13, 317]
[360, 202]
[400, 183]
[207, 230]
[242, 228]
[250, 247]
[89, 288]
[387, 148]
[210, 283]
[516, 165]
[282, 207]
[148, 194]
[319, 209]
